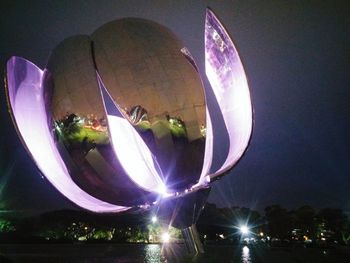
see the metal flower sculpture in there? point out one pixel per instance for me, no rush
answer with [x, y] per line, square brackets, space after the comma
[118, 120]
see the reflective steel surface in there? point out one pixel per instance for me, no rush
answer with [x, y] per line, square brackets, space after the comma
[228, 80]
[159, 93]
[25, 92]
[118, 119]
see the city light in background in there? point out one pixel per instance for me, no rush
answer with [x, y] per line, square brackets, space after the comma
[154, 219]
[244, 229]
[165, 237]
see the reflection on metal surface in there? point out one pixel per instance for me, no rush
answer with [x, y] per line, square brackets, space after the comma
[137, 114]
[140, 62]
[120, 117]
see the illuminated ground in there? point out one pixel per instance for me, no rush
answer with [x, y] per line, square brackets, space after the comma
[152, 253]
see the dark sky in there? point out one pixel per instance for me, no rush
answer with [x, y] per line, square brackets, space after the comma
[297, 59]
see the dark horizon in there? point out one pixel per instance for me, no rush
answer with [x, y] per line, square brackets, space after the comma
[296, 59]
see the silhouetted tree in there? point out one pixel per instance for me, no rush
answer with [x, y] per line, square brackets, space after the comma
[210, 221]
[346, 233]
[279, 221]
[334, 220]
[305, 220]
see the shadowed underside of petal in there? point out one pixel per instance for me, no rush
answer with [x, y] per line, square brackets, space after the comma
[25, 91]
[226, 75]
[208, 154]
[130, 149]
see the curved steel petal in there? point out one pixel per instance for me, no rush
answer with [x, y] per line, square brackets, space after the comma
[132, 152]
[27, 101]
[226, 75]
[208, 153]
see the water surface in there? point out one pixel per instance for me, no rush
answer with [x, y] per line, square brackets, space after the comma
[155, 253]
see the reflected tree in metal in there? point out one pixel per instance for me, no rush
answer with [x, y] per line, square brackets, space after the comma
[118, 120]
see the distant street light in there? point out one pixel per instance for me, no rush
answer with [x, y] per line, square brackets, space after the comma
[165, 237]
[244, 229]
[154, 219]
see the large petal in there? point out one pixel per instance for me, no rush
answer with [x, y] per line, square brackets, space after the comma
[132, 152]
[226, 75]
[25, 90]
[208, 153]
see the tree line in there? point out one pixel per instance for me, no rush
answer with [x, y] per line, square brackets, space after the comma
[305, 223]
[301, 224]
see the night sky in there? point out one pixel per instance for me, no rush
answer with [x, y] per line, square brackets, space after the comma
[297, 59]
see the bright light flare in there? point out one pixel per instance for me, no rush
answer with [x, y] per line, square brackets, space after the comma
[154, 219]
[244, 229]
[162, 189]
[165, 237]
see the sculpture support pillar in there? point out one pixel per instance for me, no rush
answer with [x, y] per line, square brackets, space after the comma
[192, 240]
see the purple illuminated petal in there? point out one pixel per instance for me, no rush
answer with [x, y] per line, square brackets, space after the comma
[226, 75]
[130, 149]
[208, 153]
[26, 98]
